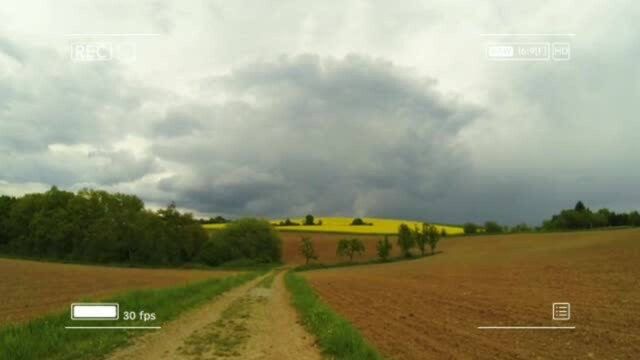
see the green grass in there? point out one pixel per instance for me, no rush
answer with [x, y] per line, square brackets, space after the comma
[47, 338]
[336, 336]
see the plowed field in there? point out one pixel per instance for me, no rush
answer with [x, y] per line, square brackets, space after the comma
[431, 308]
[29, 289]
[325, 246]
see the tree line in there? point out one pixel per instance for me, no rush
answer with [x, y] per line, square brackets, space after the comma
[101, 227]
[407, 240]
[97, 226]
[579, 217]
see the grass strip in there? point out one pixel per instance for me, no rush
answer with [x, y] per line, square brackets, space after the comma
[47, 338]
[267, 282]
[336, 336]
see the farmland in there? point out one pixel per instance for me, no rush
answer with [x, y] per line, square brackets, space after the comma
[325, 246]
[343, 225]
[30, 289]
[431, 308]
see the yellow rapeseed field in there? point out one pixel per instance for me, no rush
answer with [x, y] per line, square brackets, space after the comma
[343, 225]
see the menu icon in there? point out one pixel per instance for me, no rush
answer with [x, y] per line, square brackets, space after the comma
[561, 311]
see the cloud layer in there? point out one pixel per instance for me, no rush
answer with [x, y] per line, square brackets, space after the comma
[227, 111]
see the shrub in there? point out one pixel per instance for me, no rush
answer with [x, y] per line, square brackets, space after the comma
[350, 247]
[492, 227]
[359, 222]
[470, 228]
[384, 248]
[288, 222]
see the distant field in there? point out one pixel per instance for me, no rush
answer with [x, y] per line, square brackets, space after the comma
[29, 289]
[325, 245]
[431, 308]
[343, 225]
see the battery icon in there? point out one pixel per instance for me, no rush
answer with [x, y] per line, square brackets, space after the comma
[95, 311]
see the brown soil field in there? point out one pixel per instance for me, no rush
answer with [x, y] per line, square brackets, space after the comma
[30, 289]
[325, 245]
[431, 308]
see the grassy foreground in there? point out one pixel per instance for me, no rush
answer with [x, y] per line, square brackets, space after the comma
[336, 336]
[47, 338]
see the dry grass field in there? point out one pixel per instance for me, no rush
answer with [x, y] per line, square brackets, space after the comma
[431, 308]
[30, 289]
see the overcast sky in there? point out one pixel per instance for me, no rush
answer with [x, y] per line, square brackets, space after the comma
[355, 108]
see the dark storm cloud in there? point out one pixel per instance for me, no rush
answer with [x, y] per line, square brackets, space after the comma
[352, 135]
[326, 133]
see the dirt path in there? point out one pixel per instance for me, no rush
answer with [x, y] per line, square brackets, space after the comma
[253, 321]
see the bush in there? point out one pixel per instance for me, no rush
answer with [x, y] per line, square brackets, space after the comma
[288, 222]
[492, 227]
[470, 228]
[243, 239]
[360, 222]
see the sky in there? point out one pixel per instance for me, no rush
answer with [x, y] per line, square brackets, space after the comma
[336, 108]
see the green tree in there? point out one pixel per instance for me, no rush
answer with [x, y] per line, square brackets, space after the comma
[580, 207]
[308, 220]
[522, 227]
[251, 239]
[94, 225]
[405, 240]
[350, 247]
[420, 237]
[384, 248]
[492, 227]
[470, 228]
[308, 250]
[6, 203]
